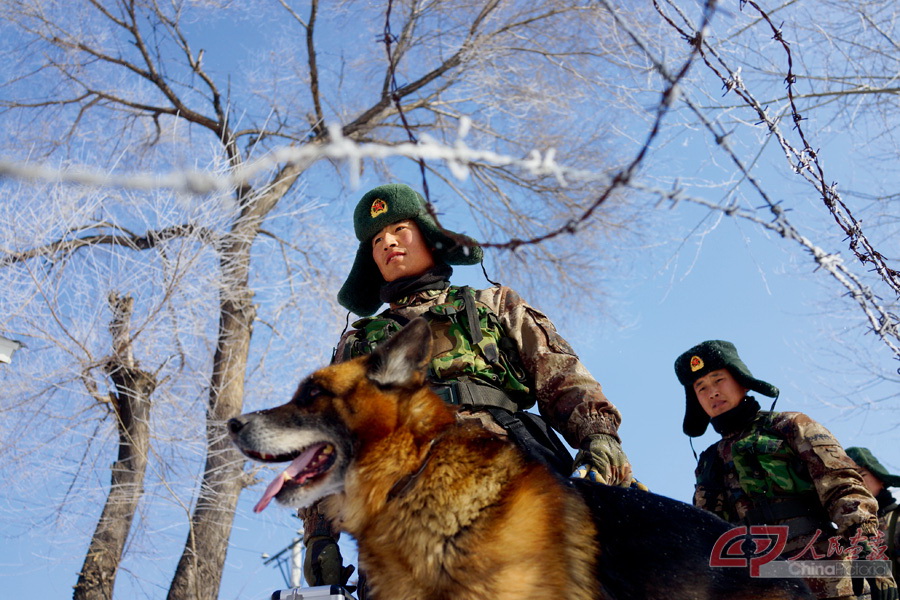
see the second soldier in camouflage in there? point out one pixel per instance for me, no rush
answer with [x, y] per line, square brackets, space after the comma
[774, 468]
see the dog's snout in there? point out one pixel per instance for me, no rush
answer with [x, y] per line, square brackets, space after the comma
[235, 425]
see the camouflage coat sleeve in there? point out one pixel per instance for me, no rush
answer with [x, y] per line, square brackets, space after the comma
[567, 395]
[837, 482]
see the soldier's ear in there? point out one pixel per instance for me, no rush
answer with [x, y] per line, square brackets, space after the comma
[402, 360]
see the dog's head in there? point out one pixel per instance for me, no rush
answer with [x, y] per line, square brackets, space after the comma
[340, 412]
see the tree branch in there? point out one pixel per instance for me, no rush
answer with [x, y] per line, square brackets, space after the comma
[150, 240]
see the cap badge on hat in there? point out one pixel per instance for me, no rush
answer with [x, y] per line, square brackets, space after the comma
[696, 364]
[379, 207]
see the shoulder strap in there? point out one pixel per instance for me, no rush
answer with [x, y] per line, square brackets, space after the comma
[472, 314]
[767, 424]
[709, 471]
[360, 343]
[491, 353]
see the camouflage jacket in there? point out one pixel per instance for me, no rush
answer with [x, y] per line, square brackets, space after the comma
[783, 455]
[552, 375]
[889, 523]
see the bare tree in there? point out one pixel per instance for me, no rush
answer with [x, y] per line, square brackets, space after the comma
[131, 404]
[154, 87]
[135, 81]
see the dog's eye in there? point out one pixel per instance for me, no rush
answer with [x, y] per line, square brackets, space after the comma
[307, 392]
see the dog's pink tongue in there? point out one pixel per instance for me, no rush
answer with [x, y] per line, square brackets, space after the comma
[294, 469]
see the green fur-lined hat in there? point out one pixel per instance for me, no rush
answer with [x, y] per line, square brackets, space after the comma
[864, 458]
[378, 208]
[704, 358]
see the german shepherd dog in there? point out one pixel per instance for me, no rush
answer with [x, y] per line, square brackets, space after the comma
[447, 510]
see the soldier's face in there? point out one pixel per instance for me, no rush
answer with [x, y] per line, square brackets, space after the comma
[873, 484]
[718, 392]
[400, 250]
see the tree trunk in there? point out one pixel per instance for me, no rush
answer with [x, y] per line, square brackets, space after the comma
[199, 572]
[131, 402]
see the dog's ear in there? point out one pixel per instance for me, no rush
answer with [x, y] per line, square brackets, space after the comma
[398, 360]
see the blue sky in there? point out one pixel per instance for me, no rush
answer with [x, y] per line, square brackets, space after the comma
[737, 288]
[672, 289]
[739, 285]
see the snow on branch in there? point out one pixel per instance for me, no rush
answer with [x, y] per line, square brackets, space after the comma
[458, 157]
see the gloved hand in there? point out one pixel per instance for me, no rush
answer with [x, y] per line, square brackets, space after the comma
[880, 588]
[883, 588]
[602, 459]
[323, 564]
[638, 485]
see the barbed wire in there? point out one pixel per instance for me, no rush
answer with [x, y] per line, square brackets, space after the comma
[804, 161]
[884, 323]
[808, 161]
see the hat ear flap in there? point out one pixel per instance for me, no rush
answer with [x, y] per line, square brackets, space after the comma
[446, 248]
[360, 293]
[695, 418]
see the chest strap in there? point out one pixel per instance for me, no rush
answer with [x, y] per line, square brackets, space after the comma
[770, 511]
[468, 392]
[491, 353]
[801, 514]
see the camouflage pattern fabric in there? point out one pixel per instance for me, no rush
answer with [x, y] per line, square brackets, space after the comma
[547, 371]
[767, 467]
[889, 523]
[455, 354]
[783, 456]
[534, 364]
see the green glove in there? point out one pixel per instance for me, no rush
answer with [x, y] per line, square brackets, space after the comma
[322, 564]
[602, 459]
[880, 588]
[883, 588]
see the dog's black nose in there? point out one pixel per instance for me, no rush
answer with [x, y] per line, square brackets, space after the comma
[235, 425]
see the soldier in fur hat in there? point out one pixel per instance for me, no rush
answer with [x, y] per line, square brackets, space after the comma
[494, 356]
[774, 468]
[878, 480]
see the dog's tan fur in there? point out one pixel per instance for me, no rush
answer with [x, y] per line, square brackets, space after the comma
[440, 509]
[471, 519]
[458, 532]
